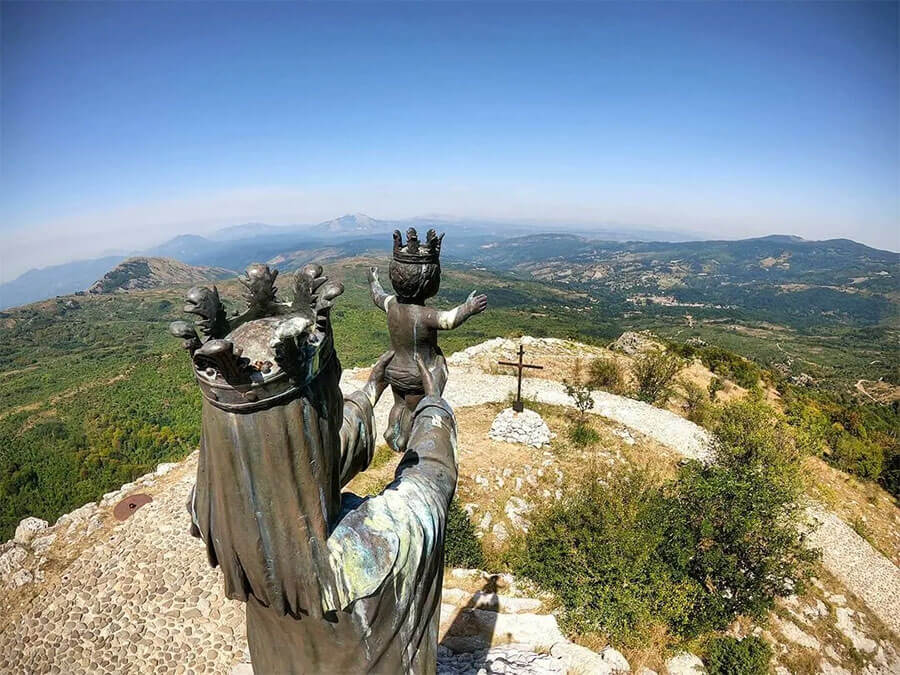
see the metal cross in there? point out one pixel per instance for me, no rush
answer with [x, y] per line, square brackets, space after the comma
[518, 406]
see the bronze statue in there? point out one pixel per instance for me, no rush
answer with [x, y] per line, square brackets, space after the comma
[333, 583]
[415, 272]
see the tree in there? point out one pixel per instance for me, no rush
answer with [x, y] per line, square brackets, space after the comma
[654, 372]
[580, 433]
[734, 523]
[608, 374]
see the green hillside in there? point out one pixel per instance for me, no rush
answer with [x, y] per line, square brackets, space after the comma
[94, 392]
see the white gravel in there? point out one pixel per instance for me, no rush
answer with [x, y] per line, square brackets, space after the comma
[526, 427]
[871, 576]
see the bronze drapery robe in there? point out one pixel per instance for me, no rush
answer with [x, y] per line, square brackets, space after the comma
[333, 583]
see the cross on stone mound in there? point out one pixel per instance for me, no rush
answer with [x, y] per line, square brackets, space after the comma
[518, 406]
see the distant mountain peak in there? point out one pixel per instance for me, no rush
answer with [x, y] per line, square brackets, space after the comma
[353, 223]
[142, 273]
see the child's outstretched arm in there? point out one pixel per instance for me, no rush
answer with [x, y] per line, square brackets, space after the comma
[379, 296]
[450, 319]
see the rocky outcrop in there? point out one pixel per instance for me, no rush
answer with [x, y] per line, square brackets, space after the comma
[144, 273]
[27, 529]
[632, 343]
[685, 663]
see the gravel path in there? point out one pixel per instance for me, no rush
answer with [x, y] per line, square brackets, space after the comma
[869, 575]
[470, 387]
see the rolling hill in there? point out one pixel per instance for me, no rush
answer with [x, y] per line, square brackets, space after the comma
[146, 273]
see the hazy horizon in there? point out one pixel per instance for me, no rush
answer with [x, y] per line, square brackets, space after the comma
[125, 125]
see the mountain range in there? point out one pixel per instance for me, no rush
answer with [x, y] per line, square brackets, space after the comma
[619, 259]
[236, 246]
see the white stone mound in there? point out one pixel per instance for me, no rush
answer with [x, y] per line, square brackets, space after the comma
[526, 427]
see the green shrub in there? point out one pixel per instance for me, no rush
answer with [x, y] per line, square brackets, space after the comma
[607, 374]
[733, 524]
[654, 372]
[598, 550]
[583, 435]
[730, 656]
[461, 546]
[714, 387]
[858, 456]
[859, 438]
[811, 426]
[697, 405]
[733, 366]
[581, 397]
[625, 554]
[890, 476]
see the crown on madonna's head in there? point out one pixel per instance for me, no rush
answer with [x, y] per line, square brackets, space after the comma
[269, 352]
[415, 251]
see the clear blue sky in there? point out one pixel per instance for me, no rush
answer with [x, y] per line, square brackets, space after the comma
[128, 122]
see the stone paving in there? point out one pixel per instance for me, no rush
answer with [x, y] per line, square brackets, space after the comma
[141, 599]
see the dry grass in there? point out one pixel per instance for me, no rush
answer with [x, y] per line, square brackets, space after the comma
[379, 474]
[653, 653]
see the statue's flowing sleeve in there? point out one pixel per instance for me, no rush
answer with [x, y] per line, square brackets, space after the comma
[387, 550]
[357, 446]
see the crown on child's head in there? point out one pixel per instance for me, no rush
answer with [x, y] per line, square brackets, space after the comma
[416, 252]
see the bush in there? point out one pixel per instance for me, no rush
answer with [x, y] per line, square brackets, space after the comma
[461, 546]
[857, 438]
[697, 406]
[598, 550]
[890, 476]
[625, 554]
[733, 525]
[607, 374]
[730, 656]
[858, 457]
[733, 366]
[811, 426]
[581, 397]
[583, 435]
[654, 371]
[714, 387]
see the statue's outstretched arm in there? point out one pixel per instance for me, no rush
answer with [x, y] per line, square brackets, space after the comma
[380, 297]
[451, 318]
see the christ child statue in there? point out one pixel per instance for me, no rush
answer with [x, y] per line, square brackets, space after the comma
[415, 272]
